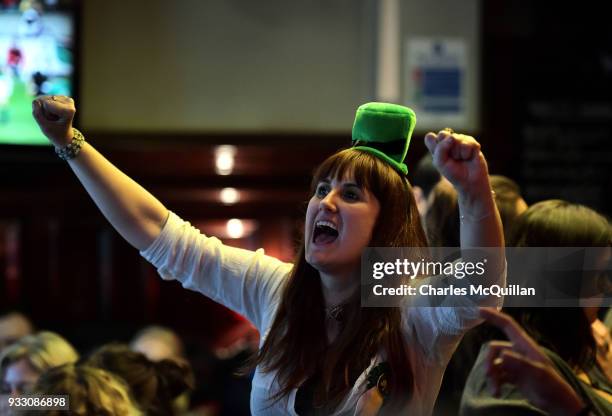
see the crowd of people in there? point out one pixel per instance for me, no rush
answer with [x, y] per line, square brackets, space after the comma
[321, 352]
[150, 376]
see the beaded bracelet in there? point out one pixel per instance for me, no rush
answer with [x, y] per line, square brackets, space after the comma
[71, 150]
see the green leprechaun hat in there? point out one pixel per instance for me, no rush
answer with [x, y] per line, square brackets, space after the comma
[384, 130]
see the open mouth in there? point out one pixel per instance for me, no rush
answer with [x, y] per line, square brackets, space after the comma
[325, 232]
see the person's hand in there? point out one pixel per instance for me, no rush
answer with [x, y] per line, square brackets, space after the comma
[522, 363]
[459, 159]
[54, 115]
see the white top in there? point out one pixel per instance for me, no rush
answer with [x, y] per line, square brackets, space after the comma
[250, 283]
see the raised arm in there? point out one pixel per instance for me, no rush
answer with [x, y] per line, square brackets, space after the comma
[459, 159]
[136, 214]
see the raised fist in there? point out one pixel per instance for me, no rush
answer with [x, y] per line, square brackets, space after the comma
[54, 115]
[459, 159]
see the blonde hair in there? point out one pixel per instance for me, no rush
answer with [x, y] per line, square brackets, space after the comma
[92, 391]
[43, 350]
[13, 325]
[151, 335]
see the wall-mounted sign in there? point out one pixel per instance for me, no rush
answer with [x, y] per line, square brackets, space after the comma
[435, 83]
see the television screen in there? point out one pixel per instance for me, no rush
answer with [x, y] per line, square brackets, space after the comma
[36, 58]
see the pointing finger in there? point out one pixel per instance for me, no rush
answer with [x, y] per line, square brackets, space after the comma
[510, 327]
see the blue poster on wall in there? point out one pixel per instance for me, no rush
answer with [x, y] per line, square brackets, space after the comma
[435, 81]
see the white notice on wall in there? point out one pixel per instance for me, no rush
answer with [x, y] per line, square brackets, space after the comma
[435, 82]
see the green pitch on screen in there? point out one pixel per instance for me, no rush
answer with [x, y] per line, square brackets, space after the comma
[16, 123]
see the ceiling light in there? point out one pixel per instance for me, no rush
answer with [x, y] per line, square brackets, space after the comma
[224, 159]
[229, 196]
[235, 228]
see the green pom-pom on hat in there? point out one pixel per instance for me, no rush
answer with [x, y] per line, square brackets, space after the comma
[384, 130]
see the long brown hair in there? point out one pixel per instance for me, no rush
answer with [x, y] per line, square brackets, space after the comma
[558, 223]
[296, 346]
